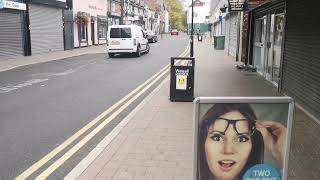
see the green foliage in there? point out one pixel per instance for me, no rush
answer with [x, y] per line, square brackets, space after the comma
[177, 17]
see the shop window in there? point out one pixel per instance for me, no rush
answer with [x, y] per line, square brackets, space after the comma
[279, 29]
[102, 31]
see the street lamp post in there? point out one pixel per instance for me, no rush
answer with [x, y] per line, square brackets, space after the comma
[191, 35]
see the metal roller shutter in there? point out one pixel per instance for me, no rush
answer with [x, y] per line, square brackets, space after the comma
[223, 26]
[301, 58]
[231, 34]
[10, 34]
[46, 28]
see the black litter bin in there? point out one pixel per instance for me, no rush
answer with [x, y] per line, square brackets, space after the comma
[200, 38]
[182, 79]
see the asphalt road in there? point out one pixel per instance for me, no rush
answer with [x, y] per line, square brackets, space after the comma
[44, 104]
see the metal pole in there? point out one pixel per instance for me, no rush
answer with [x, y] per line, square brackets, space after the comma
[107, 25]
[191, 36]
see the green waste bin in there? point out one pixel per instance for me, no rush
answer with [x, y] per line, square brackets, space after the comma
[219, 42]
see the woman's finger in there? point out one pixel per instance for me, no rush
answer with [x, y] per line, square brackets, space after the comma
[269, 124]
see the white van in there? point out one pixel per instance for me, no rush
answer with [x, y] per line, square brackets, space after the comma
[122, 39]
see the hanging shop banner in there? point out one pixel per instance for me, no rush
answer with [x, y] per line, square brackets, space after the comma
[12, 5]
[237, 5]
[243, 138]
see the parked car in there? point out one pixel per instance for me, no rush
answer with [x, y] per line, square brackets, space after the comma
[124, 39]
[174, 32]
[151, 36]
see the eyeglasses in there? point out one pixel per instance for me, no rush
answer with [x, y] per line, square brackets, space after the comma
[240, 126]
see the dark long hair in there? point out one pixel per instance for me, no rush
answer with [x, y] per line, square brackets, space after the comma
[256, 154]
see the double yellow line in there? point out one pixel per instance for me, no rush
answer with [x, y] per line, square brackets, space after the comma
[126, 100]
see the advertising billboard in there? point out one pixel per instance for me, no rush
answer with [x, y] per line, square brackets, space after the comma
[242, 138]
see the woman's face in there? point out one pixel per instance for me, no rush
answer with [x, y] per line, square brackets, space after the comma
[227, 150]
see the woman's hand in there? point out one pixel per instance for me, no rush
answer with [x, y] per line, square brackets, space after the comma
[274, 137]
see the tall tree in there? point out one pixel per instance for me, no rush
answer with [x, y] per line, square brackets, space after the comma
[176, 15]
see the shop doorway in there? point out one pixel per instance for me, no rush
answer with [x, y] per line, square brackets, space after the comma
[92, 31]
[259, 44]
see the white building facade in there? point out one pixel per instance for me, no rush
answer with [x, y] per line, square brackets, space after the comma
[91, 29]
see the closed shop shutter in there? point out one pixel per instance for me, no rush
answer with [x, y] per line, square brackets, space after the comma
[216, 29]
[11, 44]
[46, 28]
[223, 26]
[301, 60]
[231, 34]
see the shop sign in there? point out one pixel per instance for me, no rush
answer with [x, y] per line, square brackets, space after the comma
[136, 18]
[237, 5]
[130, 18]
[12, 5]
[94, 7]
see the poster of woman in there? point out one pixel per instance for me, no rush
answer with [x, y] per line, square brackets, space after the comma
[241, 138]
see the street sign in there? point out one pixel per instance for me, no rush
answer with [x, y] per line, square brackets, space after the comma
[245, 138]
[12, 5]
[237, 5]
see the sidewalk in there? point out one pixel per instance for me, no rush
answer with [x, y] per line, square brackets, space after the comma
[156, 141]
[51, 56]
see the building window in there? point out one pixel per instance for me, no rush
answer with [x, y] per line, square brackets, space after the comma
[113, 7]
[83, 32]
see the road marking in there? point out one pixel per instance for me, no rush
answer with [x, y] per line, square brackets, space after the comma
[67, 142]
[58, 149]
[80, 144]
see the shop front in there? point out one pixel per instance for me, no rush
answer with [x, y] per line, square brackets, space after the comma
[267, 35]
[46, 25]
[102, 29]
[12, 36]
[90, 23]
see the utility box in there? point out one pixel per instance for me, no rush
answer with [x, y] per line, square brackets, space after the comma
[182, 79]
[219, 42]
